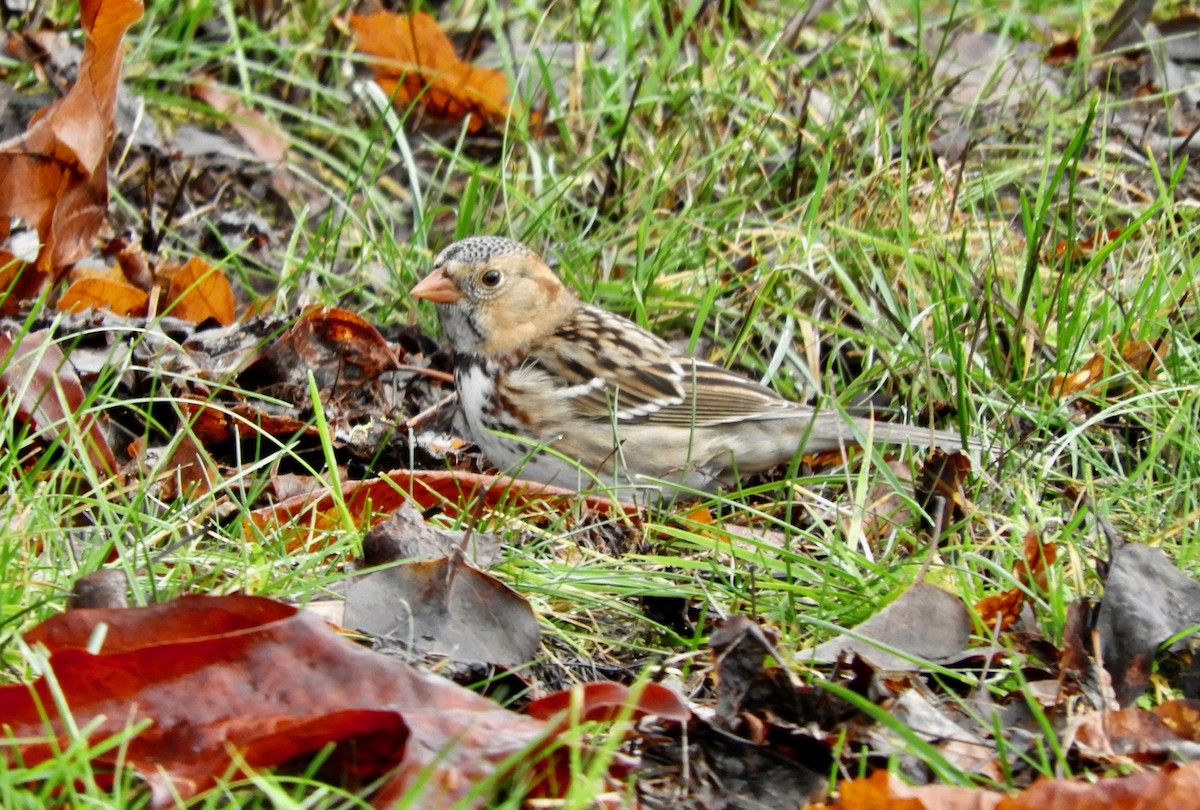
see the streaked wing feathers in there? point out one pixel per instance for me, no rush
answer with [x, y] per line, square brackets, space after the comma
[645, 381]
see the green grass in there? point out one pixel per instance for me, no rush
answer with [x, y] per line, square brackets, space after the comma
[771, 203]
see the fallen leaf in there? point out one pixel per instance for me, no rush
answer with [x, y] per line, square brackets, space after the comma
[451, 491]
[606, 701]
[55, 175]
[1147, 600]
[943, 477]
[414, 61]
[1001, 610]
[47, 394]
[405, 535]
[445, 607]
[883, 791]
[753, 751]
[187, 666]
[1143, 357]
[265, 139]
[1062, 53]
[199, 292]
[1169, 788]
[1147, 736]
[213, 425]
[96, 292]
[341, 350]
[926, 622]
[190, 471]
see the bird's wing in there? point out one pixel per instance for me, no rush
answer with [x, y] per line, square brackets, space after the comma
[613, 370]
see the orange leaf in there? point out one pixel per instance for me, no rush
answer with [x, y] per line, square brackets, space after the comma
[199, 292]
[1030, 572]
[415, 61]
[96, 292]
[55, 175]
[885, 792]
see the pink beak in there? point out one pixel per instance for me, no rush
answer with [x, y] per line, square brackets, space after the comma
[438, 288]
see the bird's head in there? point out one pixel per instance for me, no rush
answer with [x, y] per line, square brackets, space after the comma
[494, 295]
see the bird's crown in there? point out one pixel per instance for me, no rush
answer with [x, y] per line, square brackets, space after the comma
[479, 249]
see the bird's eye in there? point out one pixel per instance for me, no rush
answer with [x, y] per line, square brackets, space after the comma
[491, 278]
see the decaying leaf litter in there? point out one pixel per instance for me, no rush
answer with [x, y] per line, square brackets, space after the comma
[141, 344]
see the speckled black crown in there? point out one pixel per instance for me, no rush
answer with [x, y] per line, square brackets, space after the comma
[476, 249]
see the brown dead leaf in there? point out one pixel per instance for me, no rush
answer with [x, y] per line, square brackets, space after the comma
[190, 471]
[1173, 787]
[55, 175]
[340, 349]
[1182, 717]
[450, 491]
[925, 622]
[198, 292]
[1142, 357]
[1085, 246]
[1004, 608]
[414, 61]
[185, 666]
[1062, 53]
[265, 139]
[47, 394]
[1145, 736]
[445, 607]
[314, 515]
[215, 425]
[943, 478]
[1169, 788]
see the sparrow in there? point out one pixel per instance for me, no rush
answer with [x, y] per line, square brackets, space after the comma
[558, 391]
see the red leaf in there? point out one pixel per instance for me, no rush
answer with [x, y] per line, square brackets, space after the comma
[606, 700]
[218, 675]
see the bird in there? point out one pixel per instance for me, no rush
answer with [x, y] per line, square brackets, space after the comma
[558, 391]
